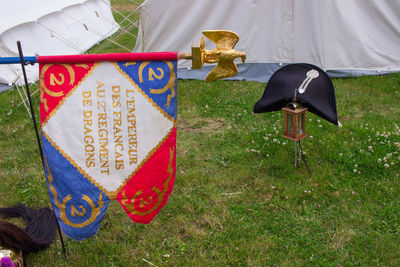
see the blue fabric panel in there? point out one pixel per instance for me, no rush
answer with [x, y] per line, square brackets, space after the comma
[79, 205]
[155, 79]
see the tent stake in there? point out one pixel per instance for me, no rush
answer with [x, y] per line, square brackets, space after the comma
[22, 60]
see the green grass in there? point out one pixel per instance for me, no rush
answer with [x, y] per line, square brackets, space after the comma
[237, 199]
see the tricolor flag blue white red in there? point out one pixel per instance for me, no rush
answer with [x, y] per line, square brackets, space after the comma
[109, 132]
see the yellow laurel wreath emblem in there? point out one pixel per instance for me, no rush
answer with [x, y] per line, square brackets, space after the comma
[74, 211]
[129, 203]
[152, 74]
[59, 80]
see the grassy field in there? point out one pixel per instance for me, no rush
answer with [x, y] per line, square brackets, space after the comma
[237, 198]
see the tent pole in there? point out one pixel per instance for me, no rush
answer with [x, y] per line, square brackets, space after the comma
[22, 60]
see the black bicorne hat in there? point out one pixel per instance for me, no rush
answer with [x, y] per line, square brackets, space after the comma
[304, 83]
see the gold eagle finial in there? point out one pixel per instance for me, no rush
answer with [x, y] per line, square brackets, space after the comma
[224, 54]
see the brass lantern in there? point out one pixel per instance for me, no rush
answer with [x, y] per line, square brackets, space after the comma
[294, 122]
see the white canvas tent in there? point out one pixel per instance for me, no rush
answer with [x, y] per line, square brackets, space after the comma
[342, 36]
[49, 27]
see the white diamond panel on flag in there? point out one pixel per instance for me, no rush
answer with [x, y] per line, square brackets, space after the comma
[106, 127]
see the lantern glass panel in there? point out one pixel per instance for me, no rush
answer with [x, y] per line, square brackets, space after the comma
[300, 124]
[290, 124]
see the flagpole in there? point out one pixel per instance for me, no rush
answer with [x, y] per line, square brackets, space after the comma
[23, 63]
[17, 60]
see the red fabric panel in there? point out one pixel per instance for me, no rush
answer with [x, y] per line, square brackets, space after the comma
[147, 191]
[56, 81]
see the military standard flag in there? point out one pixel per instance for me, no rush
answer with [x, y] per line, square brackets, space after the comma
[108, 125]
